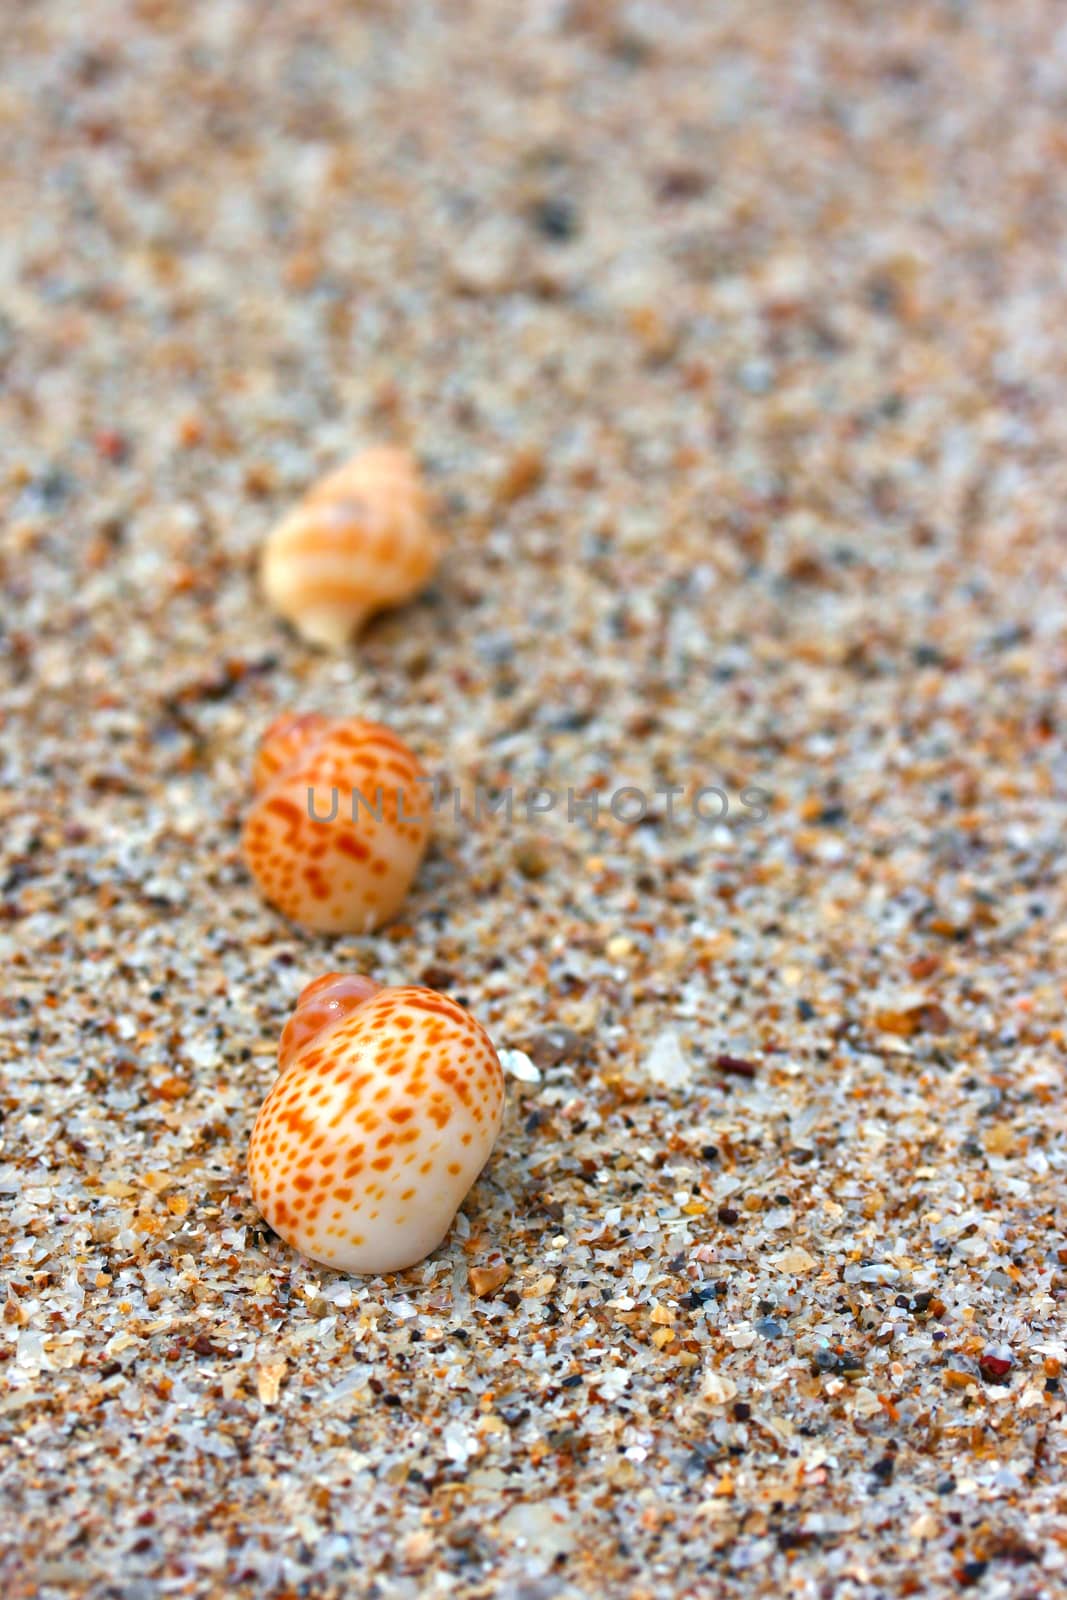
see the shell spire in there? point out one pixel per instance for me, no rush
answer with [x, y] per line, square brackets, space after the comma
[320, 1007]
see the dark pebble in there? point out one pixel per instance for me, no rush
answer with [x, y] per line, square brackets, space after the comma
[736, 1066]
[556, 218]
[995, 1369]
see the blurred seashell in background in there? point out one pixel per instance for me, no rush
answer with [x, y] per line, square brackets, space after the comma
[358, 542]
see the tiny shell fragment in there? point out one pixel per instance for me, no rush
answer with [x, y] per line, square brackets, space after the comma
[487, 1280]
[269, 1381]
[386, 1106]
[359, 541]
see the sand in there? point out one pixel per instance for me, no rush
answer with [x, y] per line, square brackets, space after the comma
[730, 340]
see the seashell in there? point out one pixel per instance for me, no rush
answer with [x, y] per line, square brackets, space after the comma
[386, 1106]
[359, 541]
[339, 824]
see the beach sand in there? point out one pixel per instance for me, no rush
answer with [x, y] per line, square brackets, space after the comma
[730, 339]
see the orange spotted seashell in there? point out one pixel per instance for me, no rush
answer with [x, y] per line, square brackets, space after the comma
[385, 1109]
[359, 541]
[339, 824]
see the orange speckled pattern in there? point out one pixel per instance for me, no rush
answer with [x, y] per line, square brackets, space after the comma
[387, 1104]
[359, 541]
[339, 824]
[284, 741]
